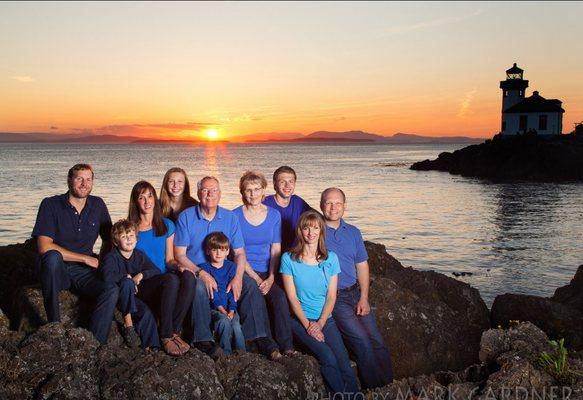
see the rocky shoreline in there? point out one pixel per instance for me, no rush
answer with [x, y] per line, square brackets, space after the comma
[525, 157]
[438, 330]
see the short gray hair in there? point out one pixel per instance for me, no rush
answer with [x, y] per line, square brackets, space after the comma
[207, 178]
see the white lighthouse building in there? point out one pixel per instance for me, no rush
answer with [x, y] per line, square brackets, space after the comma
[522, 114]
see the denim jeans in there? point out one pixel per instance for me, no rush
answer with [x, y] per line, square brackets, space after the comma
[229, 331]
[251, 308]
[363, 339]
[142, 317]
[279, 314]
[332, 356]
[55, 275]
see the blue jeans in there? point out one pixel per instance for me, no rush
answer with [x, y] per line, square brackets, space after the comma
[363, 339]
[332, 356]
[229, 331]
[142, 317]
[251, 307]
[56, 275]
[279, 314]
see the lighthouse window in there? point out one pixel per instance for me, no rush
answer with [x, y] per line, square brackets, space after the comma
[522, 122]
[542, 123]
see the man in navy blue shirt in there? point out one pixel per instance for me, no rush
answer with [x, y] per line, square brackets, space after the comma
[66, 229]
[352, 311]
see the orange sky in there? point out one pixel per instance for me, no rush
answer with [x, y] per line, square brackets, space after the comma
[176, 70]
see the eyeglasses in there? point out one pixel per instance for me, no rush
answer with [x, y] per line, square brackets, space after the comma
[212, 191]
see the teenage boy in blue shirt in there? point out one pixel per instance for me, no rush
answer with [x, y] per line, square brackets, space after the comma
[352, 310]
[66, 229]
[289, 205]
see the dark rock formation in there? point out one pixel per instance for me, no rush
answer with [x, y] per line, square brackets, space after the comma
[555, 319]
[572, 294]
[431, 322]
[524, 157]
[509, 370]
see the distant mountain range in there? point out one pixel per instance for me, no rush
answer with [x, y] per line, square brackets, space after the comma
[272, 137]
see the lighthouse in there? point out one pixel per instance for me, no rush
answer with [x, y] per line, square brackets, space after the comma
[522, 114]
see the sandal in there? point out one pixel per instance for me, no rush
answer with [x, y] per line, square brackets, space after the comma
[171, 347]
[291, 353]
[182, 345]
[275, 355]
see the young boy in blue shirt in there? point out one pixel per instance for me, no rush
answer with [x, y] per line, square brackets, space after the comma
[126, 267]
[224, 307]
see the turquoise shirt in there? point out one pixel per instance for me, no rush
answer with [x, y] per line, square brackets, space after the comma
[155, 246]
[311, 281]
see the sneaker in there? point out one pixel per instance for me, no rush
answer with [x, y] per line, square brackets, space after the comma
[210, 349]
[130, 337]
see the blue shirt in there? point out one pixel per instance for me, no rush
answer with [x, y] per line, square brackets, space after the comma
[259, 238]
[290, 216]
[76, 232]
[192, 228]
[347, 243]
[155, 246]
[311, 281]
[223, 276]
[115, 267]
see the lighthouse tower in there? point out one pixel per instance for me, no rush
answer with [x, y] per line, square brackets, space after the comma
[513, 87]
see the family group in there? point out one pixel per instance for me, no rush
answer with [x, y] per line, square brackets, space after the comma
[272, 274]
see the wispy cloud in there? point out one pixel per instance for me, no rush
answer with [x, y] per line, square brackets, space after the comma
[466, 102]
[149, 130]
[431, 23]
[23, 78]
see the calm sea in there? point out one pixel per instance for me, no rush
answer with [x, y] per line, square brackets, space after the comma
[521, 237]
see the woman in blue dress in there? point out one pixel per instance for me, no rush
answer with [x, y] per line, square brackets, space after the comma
[261, 228]
[156, 240]
[310, 278]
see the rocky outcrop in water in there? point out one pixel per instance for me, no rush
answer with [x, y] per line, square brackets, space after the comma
[560, 316]
[524, 157]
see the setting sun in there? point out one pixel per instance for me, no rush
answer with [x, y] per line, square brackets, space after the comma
[212, 134]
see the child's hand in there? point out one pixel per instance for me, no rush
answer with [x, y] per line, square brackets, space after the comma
[222, 310]
[230, 314]
[137, 279]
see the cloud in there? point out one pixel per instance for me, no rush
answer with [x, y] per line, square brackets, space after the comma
[466, 102]
[23, 78]
[399, 30]
[54, 128]
[146, 130]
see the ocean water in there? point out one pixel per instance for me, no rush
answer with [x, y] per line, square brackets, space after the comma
[519, 237]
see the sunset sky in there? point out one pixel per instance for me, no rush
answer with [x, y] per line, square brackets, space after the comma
[179, 69]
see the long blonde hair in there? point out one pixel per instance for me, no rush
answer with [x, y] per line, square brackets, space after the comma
[187, 199]
[310, 218]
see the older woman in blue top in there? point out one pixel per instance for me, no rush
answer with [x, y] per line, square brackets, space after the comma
[261, 228]
[156, 240]
[310, 279]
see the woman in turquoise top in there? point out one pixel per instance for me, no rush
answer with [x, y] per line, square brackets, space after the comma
[156, 240]
[310, 279]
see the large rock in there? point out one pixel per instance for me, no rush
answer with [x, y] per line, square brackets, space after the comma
[249, 376]
[572, 294]
[129, 374]
[555, 319]
[431, 322]
[17, 269]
